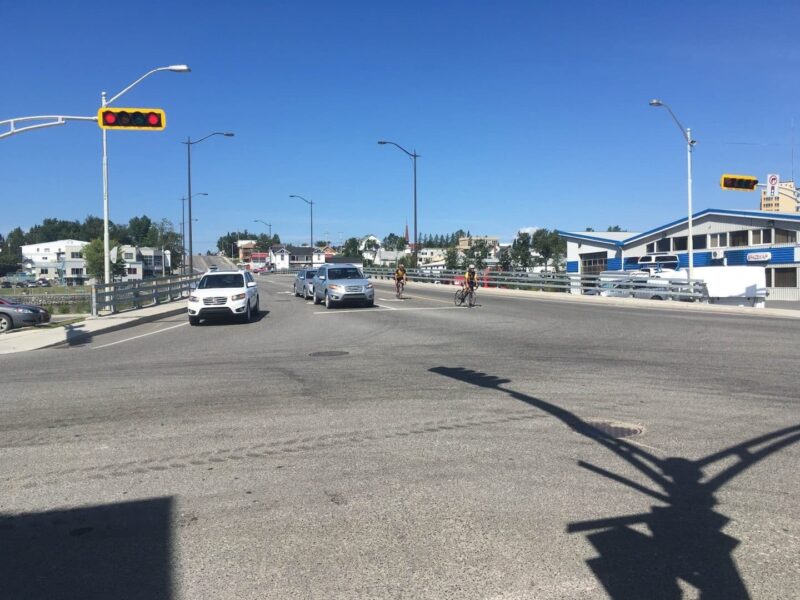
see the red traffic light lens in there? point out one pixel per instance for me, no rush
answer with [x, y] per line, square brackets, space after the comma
[109, 118]
[153, 119]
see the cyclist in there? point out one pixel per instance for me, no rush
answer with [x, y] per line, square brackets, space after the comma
[399, 278]
[470, 280]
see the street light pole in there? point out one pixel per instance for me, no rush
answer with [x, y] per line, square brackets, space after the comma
[265, 223]
[189, 143]
[687, 135]
[104, 103]
[414, 156]
[311, 205]
[183, 231]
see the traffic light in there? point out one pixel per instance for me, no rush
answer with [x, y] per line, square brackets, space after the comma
[742, 183]
[150, 119]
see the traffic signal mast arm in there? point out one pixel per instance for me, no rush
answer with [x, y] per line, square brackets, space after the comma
[54, 120]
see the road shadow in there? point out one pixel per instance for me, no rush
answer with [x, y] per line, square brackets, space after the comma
[685, 540]
[121, 550]
[226, 320]
[74, 336]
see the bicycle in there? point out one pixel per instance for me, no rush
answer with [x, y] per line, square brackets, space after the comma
[399, 286]
[464, 294]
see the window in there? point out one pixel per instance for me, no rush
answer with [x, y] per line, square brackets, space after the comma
[786, 277]
[769, 277]
[147, 261]
[662, 245]
[77, 271]
[680, 243]
[738, 238]
[699, 242]
[44, 258]
[44, 271]
[718, 240]
[651, 247]
[783, 236]
[762, 236]
[132, 270]
[75, 255]
[157, 260]
[129, 256]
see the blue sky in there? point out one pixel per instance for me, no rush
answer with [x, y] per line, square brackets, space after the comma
[525, 114]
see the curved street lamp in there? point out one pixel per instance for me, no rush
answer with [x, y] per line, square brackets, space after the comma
[183, 230]
[413, 156]
[311, 205]
[687, 136]
[104, 103]
[189, 143]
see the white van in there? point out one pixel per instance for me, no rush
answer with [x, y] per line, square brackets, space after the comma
[733, 286]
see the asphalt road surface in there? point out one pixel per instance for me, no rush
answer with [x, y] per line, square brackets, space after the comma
[412, 450]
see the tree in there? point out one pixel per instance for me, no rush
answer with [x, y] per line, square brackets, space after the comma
[139, 230]
[94, 255]
[549, 245]
[394, 242]
[614, 228]
[350, 247]
[322, 243]
[476, 254]
[589, 229]
[521, 251]
[504, 259]
[451, 259]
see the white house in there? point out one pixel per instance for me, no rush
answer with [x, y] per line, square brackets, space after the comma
[295, 257]
[59, 260]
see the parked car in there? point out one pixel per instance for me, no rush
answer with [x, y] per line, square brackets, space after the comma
[304, 283]
[335, 284]
[14, 315]
[5, 285]
[224, 294]
[43, 283]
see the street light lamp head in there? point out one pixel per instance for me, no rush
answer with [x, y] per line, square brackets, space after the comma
[228, 134]
[656, 102]
[381, 142]
[179, 68]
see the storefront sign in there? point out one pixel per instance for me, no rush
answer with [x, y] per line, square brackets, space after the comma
[759, 256]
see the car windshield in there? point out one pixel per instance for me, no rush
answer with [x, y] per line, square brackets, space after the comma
[222, 280]
[310, 274]
[345, 273]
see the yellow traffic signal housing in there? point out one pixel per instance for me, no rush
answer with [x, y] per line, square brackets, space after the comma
[142, 119]
[742, 183]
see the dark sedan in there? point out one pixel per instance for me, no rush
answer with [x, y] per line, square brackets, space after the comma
[14, 315]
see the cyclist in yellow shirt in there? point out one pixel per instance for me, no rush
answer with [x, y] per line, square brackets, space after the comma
[400, 279]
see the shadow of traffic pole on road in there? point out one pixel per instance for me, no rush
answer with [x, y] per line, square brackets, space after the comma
[686, 541]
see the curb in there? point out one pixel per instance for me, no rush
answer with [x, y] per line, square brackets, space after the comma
[119, 327]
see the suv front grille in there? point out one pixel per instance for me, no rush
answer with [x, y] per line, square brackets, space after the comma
[216, 301]
[353, 288]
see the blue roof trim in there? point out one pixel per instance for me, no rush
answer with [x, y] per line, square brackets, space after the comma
[753, 214]
[591, 238]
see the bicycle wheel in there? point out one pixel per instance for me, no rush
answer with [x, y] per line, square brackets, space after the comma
[458, 299]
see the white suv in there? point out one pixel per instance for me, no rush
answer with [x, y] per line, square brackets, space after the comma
[224, 293]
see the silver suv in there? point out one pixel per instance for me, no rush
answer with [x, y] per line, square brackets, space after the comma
[224, 294]
[342, 283]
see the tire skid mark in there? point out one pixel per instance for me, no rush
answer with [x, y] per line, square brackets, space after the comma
[263, 450]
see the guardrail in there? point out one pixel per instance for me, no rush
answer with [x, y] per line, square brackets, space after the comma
[632, 286]
[130, 295]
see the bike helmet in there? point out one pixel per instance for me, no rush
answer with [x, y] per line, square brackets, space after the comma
[472, 267]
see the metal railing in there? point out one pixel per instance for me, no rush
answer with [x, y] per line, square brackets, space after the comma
[630, 286]
[130, 295]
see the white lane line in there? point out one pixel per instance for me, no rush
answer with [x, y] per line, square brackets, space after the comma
[384, 309]
[139, 336]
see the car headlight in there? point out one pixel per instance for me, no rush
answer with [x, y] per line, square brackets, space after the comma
[26, 311]
[336, 288]
[194, 299]
[238, 296]
[369, 286]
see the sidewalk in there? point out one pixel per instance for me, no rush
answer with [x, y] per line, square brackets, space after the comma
[34, 338]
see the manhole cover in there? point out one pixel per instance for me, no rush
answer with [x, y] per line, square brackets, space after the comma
[613, 428]
[330, 353]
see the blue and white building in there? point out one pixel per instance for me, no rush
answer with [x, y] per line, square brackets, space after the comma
[719, 236]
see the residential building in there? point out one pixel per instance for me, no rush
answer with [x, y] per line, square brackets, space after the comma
[145, 262]
[286, 257]
[386, 258]
[429, 255]
[785, 200]
[719, 237]
[493, 243]
[59, 261]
